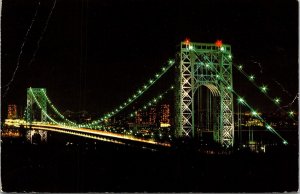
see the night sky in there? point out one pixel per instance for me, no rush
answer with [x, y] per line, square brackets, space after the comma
[94, 54]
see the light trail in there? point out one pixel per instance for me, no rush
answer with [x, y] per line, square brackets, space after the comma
[83, 132]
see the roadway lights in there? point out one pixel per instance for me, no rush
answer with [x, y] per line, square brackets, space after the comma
[151, 81]
[156, 75]
[139, 91]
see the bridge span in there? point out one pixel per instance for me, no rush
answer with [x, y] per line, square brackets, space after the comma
[87, 133]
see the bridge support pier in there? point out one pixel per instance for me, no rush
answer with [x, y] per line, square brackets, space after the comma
[33, 135]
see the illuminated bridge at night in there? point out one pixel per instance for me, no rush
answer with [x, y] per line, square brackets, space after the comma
[203, 80]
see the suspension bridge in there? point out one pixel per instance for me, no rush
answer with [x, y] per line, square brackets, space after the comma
[204, 99]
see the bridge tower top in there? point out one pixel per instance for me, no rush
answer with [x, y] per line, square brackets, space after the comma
[205, 47]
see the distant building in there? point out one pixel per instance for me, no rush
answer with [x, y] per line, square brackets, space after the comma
[138, 117]
[12, 111]
[254, 122]
[152, 116]
[165, 115]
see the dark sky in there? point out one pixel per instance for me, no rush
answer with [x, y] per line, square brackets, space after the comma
[94, 54]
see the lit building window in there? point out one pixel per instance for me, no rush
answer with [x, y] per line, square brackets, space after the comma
[165, 115]
[12, 111]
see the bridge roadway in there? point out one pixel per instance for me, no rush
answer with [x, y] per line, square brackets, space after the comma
[88, 133]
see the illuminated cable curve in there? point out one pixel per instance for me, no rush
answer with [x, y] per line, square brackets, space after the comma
[263, 88]
[59, 124]
[121, 107]
[252, 110]
[55, 109]
[134, 97]
[30, 89]
[153, 101]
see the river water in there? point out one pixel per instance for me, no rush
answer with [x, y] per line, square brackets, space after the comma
[73, 164]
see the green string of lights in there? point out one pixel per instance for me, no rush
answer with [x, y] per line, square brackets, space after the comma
[240, 99]
[55, 109]
[152, 102]
[39, 105]
[133, 98]
[129, 101]
[145, 106]
[263, 88]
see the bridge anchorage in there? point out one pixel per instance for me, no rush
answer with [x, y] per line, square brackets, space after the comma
[204, 101]
[36, 110]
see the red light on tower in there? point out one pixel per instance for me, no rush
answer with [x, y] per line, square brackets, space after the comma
[187, 41]
[219, 43]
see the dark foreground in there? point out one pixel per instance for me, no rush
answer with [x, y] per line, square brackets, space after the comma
[104, 167]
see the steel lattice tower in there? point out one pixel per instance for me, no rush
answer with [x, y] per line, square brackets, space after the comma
[35, 95]
[203, 64]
